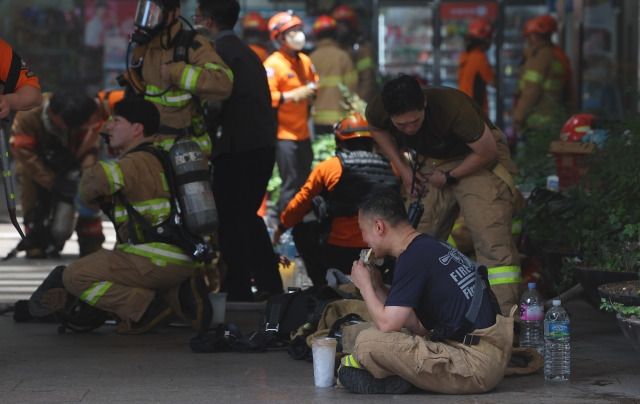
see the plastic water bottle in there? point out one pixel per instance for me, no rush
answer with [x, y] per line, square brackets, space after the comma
[557, 353]
[531, 319]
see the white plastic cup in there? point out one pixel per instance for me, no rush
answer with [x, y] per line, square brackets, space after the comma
[324, 361]
[219, 303]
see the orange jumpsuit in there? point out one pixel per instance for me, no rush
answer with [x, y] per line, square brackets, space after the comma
[25, 77]
[474, 72]
[285, 73]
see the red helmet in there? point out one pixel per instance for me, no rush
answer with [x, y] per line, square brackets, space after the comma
[352, 127]
[282, 22]
[254, 21]
[346, 14]
[576, 127]
[324, 23]
[544, 24]
[480, 28]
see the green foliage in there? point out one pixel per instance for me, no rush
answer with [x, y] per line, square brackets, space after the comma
[616, 307]
[600, 217]
[324, 146]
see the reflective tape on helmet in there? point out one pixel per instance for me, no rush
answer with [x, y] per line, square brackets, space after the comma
[505, 274]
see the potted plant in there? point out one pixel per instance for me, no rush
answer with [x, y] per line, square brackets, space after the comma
[628, 317]
[599, 219]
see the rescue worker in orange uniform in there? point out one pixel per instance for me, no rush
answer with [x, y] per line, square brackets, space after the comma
[255, 33]
[334, 67]
[177, 88]
[474, 71]
[292, 82]
[19, 86]
[342, 181]
[145, 283]
[544, 86]
[52, 144]
[360, 49]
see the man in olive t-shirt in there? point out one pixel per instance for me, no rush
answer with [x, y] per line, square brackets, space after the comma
[463, 166]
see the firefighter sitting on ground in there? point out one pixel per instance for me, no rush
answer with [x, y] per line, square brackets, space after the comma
[52, 143]
[339, 183]
[146, 284]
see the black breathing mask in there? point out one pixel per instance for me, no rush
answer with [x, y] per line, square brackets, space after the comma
[150, 19]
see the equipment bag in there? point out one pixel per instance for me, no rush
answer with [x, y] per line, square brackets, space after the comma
[287, 312]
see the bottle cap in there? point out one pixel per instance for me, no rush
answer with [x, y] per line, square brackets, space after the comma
[532, 285]
[556, 302]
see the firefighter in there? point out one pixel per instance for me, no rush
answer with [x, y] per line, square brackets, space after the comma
[292, 82]
[255, 33]
[544, 86]
[145, 283]
[176, 87]
[334, 67]
[19, 86]
[341, 182]
[474, 71]
[463, 165]
[360, 49]
[52, 143]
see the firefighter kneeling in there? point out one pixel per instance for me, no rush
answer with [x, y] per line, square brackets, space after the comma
[148, 280]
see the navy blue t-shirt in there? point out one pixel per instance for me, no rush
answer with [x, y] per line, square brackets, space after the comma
[438, 281]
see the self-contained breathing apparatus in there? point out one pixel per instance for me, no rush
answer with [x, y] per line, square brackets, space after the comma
[193, 215]
[151, 18]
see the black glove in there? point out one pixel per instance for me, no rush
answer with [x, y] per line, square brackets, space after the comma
[64, 187]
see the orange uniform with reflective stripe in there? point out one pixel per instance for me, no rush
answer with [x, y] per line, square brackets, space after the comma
[474, 72]
[325, 176]
[26, 77]
[285, 73]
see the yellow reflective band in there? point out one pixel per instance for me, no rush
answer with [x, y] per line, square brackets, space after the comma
[351, 77]
[505, 274]
[532, 76]
[350, 362]
[94, 293]
[214, 66]
[169, 99]
[189, 78]
[516, 227]
[330, 81]
[114, 175]
[161, 253]
[364, 63]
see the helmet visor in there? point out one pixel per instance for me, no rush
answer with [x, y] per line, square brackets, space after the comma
[149, 15]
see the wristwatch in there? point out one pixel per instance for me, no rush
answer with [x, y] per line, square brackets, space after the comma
[451, 180]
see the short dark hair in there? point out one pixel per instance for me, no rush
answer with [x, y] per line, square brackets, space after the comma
[139, 110]
[401, 95]
[385, 204]
[74, 108]
[223, 13]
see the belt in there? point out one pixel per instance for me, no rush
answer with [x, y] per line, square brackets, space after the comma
[467, 339]
[438, 162]
[169, 130]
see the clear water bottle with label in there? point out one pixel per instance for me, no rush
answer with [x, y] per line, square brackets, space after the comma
[557, 352]
[531, 319]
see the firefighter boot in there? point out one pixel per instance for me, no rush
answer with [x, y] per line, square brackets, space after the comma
[50, 295]
[157, 314]
[195, 303]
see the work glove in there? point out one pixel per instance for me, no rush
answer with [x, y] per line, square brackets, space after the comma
[65, 187]
[300, 93]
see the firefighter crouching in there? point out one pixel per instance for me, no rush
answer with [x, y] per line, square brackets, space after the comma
[145, 281]
[52, 143]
